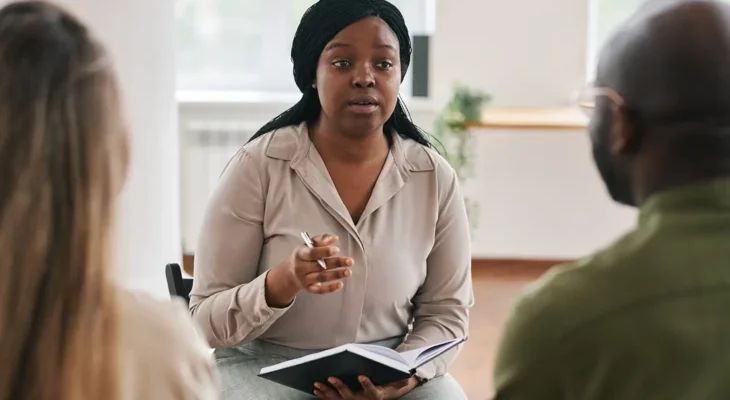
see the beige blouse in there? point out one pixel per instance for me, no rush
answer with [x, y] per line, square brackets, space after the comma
[163, 356]
[411, 250]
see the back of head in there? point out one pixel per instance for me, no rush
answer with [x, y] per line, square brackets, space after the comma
[322, 22]
[63, 156]
[663, 118]
[672, 59]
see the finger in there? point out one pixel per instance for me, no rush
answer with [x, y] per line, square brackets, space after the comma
[401, 384]
[369, 388]
[321, 395]
[319, 288]
[339, 262]
[324, 240]
[324, 392]
[304, 268]
[317, 253]
[407, 386]
[327, 276]
[341, 387]
[401, 392]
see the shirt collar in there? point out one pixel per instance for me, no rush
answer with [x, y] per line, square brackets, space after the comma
[708, 195]
[292, 144]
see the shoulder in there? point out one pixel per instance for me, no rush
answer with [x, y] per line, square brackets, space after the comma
[574, 294]
[280, 144]
[553, 314]
[444, 171]
[164, 356]
[426, 159]
[252, 162]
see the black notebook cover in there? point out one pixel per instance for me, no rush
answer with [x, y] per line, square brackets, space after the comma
[344, 365]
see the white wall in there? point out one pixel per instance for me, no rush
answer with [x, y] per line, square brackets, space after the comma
[539, 193]
[541, 197]
[525, 53]
[140, 37]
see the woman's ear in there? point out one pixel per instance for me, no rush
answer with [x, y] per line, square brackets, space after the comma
[314, 84]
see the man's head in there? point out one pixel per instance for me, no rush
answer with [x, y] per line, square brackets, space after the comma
[662, 113]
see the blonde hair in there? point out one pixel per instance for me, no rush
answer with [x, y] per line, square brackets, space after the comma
[63, 160]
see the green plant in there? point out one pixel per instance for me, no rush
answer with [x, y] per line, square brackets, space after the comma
[452, 131]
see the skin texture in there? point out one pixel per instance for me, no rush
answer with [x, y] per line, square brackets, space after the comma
[361, 60]
[370, 392]
[301, 272]
[663, 97]
[360, 64]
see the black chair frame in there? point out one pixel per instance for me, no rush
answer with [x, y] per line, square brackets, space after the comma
[176, 284]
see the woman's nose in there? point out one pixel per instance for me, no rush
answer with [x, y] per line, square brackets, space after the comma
[363, 77]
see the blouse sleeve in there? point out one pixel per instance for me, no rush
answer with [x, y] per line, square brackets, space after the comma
[443, 301]
[228, 299]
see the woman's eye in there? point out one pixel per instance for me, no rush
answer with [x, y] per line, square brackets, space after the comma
[341, 64]
[385, 65]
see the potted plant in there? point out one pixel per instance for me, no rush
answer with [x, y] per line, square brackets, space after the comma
[453, 134]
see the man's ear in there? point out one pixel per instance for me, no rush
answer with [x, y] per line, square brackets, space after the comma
[623, 139]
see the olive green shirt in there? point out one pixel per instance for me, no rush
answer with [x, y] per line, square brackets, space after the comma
[646, 318]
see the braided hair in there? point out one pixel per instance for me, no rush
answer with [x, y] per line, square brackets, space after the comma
[320, 23]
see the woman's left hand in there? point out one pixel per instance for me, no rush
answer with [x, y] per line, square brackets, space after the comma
[370, 391]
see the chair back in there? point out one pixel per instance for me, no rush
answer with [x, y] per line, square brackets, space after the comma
[176, 284]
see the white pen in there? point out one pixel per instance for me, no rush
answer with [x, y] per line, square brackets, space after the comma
[310, 244]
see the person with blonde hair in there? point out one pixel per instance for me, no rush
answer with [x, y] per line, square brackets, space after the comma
[66, 330]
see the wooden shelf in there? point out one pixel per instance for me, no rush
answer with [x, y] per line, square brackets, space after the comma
[539, 118]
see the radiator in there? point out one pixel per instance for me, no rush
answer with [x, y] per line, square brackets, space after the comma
[205, 149]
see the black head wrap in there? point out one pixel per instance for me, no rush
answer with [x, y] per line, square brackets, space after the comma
[320, 23]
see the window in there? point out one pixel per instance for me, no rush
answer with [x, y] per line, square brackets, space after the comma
[244, 45]
[604, 17]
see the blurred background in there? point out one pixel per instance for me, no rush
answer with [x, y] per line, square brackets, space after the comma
[200, 76]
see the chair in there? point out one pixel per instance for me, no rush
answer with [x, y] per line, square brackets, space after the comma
[176, 284]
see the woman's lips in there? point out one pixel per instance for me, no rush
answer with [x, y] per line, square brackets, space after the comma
[363, 104]
[363, 108]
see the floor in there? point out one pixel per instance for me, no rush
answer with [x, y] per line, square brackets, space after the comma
[495, 292]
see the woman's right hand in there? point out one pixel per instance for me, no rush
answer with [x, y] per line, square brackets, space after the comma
[310, 276]
[302, 272]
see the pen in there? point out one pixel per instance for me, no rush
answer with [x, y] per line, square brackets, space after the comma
[308, 242]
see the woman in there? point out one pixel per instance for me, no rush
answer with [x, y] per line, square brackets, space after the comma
[347, 162]
[66, 331]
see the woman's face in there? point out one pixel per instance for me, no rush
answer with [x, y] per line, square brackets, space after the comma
[358, 77]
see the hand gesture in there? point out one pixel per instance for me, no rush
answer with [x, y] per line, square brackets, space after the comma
[310, 276]
[369, 392]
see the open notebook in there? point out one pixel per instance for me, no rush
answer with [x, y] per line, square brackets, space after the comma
[381, 364]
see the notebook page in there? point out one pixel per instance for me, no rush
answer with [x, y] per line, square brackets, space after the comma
[420, 355]
[383, 351]
[399, 365]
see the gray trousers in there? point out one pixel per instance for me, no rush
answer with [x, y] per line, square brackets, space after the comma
[238, 368]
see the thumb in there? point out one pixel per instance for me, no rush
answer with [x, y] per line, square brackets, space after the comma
[324, 240]
[401, 384]
[370, 389]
